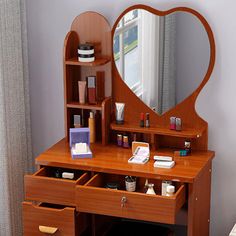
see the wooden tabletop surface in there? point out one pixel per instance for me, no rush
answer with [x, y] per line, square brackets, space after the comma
[113, 159]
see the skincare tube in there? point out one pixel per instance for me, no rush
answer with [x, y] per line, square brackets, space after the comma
[120, 113]
[82, 90]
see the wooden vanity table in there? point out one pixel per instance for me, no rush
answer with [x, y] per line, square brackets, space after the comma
[68, 207]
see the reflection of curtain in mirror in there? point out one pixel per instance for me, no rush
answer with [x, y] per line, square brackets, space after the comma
[156, 40]
[167, 64]
[148, 41]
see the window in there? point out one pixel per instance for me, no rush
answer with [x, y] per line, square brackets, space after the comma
[126, 49]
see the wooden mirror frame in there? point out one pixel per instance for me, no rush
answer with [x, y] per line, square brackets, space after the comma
[185, 109]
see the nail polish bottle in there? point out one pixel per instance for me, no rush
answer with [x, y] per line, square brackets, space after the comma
[187, 147]
[125, 141]
[172, 123]
[178, 124]
[147, 122]
[119, 139]
[141, 119]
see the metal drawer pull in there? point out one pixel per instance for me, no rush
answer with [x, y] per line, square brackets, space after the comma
[123, 201]
[47, 230]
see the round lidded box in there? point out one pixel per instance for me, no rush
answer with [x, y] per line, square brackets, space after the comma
[112, 185]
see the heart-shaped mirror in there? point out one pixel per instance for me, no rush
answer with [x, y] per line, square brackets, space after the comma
[162, 59]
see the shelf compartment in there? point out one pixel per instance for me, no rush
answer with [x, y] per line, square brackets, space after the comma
[93, 197]
[97, 107]
[185, 133]
[98, 62]
[43, 187]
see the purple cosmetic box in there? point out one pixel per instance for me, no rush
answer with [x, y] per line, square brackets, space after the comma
[80, 135]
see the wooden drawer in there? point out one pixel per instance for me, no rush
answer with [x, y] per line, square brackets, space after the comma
[42, 187]
[39, 220]
[95, 198]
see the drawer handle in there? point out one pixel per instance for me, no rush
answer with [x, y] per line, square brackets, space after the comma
[123, 201]
[47, 230]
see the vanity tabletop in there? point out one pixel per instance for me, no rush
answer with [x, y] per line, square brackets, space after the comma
[113, 159]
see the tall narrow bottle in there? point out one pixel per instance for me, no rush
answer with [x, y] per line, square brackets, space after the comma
[91, 125]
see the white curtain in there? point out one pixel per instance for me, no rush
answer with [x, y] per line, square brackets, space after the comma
[15, 140]
[156, 43]
[148, 41]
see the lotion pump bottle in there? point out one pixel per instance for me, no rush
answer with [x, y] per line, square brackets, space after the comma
[91, 125]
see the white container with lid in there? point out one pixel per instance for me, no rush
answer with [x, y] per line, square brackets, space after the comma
[170, 190]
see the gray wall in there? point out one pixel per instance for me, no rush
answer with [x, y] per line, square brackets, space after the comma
[192, 54]
[48, 23]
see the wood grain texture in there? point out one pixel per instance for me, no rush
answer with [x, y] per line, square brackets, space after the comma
[39, 187]
[186, 109]
[94, 198]
[113, 159]
[199, 204]
[34, 216]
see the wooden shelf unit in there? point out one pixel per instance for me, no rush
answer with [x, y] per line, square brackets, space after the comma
[83, 30]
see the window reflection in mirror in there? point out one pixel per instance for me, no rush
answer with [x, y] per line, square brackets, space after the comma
[161, 59]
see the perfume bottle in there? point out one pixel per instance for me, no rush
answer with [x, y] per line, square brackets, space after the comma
[147, 122]
[145, 188]
[151, 189]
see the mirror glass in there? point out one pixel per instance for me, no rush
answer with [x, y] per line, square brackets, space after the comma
[162, 59]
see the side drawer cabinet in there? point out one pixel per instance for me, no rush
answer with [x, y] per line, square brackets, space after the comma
[39, 221]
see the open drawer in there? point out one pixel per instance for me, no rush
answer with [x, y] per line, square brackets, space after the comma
[41, 220]
[43, 187]
[93, 197]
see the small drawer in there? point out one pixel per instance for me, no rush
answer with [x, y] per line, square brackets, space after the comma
[93, 197]
[43, 187]
[39, 220]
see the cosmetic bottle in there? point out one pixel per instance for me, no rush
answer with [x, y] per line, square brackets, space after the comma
[91, 125]
[172, 123]
[119, 139]
[77, 121]
[170, 190]
[57, 173]
[91, 89]
[145, 188]
[178, 124]
[82, 91]
[120, 113]
[125, 141]
[151, 189]
[147, 122]
[187, 147]
[141, 120]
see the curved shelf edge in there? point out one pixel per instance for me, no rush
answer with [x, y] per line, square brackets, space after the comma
[185, 133]
[98, 62]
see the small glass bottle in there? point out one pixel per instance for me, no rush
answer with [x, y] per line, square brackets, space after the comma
[58, 173]
[151, 189]
[145, 187]
[187, 147]
[125, 141]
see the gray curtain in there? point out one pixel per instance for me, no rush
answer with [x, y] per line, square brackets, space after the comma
[167, 64]
[15, 140]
